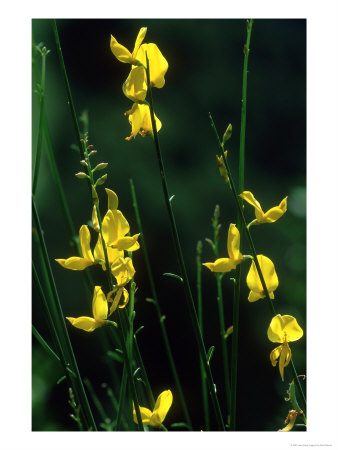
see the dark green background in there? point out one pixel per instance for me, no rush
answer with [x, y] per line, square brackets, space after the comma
[205, 74]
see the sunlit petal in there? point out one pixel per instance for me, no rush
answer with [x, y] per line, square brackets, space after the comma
[100, 305]
[85, 243]
[84, 323]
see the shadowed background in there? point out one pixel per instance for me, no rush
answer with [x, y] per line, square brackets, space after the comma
[205, 74]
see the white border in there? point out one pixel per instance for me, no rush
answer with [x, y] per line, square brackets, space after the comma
[322, 223]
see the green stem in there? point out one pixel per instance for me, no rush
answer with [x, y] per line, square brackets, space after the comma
[41, 113]
[157, 306]
[234, 361]
[122, 398]
[200, 321]
[43, 343]
[84, 156]
[223, 340]
[63, 329]
[96, 400]
[187, 290]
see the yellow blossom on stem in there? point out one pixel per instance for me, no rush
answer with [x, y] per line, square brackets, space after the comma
[158, 65]
[140, 120]
[77, 262]
[122, 53]
[254, 282]
[235, 256]
[100, 313]
[114, 230]
[271, 215]
[283, 329]
[161, 408]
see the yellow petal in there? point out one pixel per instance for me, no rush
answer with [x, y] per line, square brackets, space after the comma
[100, 305]
[292, 329]
[234, 243]
[85, 243]
[120, 52]
[127, 242]
[162, 406]
[284, 359]
[249, 197]
[146, 123]
[95, 220]
[135, 119]
[221, 265]
[135, 86]
[84, 323]
[141, 35]
[123, 270]
[275, 354]
[254, 296]
[269, 275]
[114, 227]
[113, 200]
[275, 330]
[74, 263]
[158, 65]
[145, 415]
[116, 301]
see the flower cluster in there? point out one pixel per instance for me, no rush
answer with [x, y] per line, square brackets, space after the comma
[283, 329]
[114, 236]
[144, 57]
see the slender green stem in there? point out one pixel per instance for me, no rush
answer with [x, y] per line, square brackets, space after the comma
[96, 400]
[225, 356]
[69, 93]
[84, 155]
[63, 329]
[224, 342]
[157, 306]
[187, 290]
[200, 320]
[234, 361]
[252, 247]
[43, 343]
[122, 398]
[43, 52]
[234, 352]
[150, 396]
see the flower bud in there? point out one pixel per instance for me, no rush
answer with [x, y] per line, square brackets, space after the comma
[221, 166]
[95, 197]
[101, 166]
[81, 175]
[101, 180]
[227, 134]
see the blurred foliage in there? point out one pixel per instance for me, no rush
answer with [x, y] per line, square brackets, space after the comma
[205, 74]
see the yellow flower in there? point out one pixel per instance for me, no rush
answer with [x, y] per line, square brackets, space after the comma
[100, 313]
[139, 118]
[271, 215]
[76, 262]
[135, 86]
[254, 282]
[114, 230]
[157, 416]
[235, 256]
[123, 270]
[158, 65]
[283, 329]
[122, 53]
